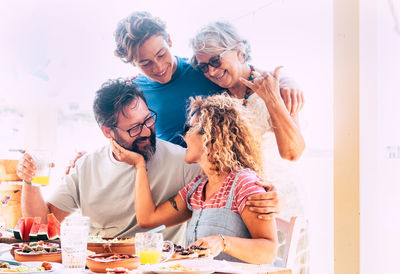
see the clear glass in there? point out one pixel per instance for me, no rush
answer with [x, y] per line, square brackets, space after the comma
[149, 247]
[42, 160]
[74, 236]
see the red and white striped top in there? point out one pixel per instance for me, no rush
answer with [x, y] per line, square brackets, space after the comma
[245, 186]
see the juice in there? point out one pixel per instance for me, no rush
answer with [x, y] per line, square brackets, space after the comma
[41, 180]
[150, 256]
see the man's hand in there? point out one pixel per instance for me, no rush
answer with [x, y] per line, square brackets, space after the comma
[267, 204]
[26, 168]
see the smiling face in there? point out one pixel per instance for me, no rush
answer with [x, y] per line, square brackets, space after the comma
[134, 114]
[227, 75]
[155, 60]
[194, 140]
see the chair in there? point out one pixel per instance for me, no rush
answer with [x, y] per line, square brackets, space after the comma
[288, 236]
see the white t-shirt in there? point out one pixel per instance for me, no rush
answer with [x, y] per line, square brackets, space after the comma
[103, 189]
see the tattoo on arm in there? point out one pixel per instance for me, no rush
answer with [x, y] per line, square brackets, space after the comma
[173, 203]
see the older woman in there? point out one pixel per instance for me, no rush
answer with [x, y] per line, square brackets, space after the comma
[219, 137]
[222, 55]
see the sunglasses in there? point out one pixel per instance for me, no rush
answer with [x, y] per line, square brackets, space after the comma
[187, 127]
[214, 61]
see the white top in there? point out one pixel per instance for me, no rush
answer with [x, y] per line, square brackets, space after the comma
[280, 172]
[103, 189]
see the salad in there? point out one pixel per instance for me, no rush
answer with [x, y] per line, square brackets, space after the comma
[98, 239]
[5, 267]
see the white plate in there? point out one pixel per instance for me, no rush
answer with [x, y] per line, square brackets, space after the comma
[4, 248]
[56, 268]
[200, 264]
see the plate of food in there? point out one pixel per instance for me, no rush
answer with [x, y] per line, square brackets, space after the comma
[35, 252]
[102, 262]
[189, 253]
[46, 245]
[115, 245]
[182, 267]
[31, 267]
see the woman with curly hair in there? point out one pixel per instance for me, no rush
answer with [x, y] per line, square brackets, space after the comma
[220, 138]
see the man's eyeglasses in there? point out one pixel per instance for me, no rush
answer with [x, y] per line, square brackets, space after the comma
[137, 129]
[214, 61]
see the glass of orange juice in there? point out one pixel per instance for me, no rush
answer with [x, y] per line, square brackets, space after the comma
[42, 161]
[149, 247]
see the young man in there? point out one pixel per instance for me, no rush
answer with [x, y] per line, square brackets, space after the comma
[101, 186]
[168, 81]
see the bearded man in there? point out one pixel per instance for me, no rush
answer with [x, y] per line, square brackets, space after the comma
[100, 185]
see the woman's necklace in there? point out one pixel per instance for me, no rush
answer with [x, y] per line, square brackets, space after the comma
[248, 90]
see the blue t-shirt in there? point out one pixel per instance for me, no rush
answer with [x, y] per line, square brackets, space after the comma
[170, 100]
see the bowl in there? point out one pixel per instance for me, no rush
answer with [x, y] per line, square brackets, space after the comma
[125, 248]
[15, 246]
[100, 262]
[35, 257]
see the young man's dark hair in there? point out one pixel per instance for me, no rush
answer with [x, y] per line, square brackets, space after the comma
[111, 99]
[133, 31]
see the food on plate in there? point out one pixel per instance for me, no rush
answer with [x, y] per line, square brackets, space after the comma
[188, 253]
[46, 246]
[39, 247]
[31, 228]
[98, 239]
[100, 245]
[38, 251]
[47, 266]
[100, 262]
[179, 268]
[201, 250]
[116, 270]
[5, 267]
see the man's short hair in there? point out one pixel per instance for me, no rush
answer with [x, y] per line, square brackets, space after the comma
[133, 31]
[112, 98]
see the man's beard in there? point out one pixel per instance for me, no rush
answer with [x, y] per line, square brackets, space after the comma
[147, 151]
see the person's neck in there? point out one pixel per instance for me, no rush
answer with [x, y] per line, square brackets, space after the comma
[238, 90]
[174, 64]
[214, 180]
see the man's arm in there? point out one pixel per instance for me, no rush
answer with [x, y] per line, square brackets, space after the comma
[33, 204]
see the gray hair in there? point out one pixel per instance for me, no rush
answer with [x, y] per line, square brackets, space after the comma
[217, 36]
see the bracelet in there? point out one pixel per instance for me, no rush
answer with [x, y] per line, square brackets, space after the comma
[224, 241]
[25, 182]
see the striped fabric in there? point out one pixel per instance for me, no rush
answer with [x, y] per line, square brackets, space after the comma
[245, 186]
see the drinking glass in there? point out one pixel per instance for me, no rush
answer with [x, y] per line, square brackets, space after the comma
[74, 236]
[149, 247]
[42, 161]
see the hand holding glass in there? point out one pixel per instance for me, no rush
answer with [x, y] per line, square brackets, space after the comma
[42, 161]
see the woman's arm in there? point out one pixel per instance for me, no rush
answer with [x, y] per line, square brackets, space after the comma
[288, 136]
[148, 215]
[261, 249]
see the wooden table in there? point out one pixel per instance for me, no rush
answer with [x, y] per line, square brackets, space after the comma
[240, 267]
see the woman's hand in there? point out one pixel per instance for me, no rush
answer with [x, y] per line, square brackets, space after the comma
[129, 157]
[213, 243]
[266, 85]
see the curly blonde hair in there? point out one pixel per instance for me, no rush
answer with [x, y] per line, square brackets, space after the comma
[229, 138]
